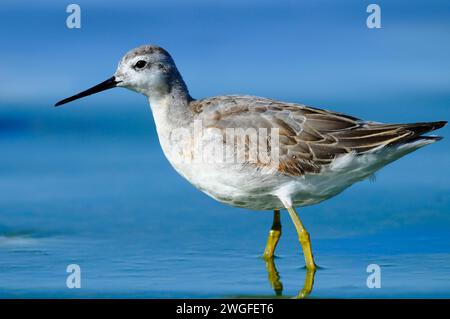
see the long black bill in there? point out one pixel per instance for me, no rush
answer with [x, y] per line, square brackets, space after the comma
[106, 85]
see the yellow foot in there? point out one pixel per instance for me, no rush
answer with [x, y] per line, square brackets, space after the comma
[272, 241]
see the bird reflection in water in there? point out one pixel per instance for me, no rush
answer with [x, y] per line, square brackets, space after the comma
[277, 285]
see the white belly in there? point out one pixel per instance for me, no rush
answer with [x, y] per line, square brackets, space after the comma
[246, 187]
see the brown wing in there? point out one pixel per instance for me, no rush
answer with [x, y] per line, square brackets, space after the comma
[309, 138]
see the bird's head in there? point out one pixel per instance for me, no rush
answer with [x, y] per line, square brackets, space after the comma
[148, 69]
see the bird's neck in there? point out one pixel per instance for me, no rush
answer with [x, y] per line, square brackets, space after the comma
[170, 108]
[172, 114]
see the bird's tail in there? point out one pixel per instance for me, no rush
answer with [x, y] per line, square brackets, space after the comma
[417, 130]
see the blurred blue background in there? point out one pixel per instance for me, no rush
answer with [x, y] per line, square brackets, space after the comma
[87, 183]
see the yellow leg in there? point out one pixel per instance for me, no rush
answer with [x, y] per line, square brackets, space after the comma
[274, 235]
[303, 236]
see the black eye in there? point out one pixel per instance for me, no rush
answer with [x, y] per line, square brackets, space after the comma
[140, 64]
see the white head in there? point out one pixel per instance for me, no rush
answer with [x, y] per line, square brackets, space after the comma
[148, 69]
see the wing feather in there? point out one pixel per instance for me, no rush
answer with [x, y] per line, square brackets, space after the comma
[310, 138]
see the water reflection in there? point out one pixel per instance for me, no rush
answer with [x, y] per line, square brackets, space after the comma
[276, 284]
[274, 277]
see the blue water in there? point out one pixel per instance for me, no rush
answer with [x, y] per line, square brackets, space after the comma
[89, 185]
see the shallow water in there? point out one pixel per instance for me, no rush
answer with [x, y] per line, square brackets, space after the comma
[80, 187]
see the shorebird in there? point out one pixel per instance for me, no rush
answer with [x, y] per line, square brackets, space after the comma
[319, 153]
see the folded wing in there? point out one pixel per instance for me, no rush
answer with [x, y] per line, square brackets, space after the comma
[309, 138]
